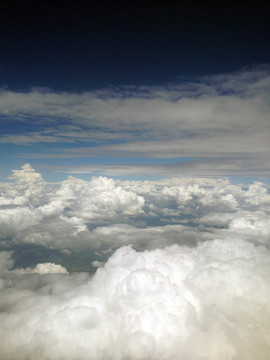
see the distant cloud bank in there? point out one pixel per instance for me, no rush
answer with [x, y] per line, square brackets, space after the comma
[218, 124]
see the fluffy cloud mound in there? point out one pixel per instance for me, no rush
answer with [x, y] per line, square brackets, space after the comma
[181, 269]
[100, 198]
[103, 214]
[30, 206]
[45, 268]
[211, 301]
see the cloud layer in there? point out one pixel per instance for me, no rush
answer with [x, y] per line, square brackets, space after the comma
[208, 302]
[77, 214]
[105, 213]
[182, 268]
[218, 124]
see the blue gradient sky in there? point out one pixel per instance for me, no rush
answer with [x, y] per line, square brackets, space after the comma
[135, 89]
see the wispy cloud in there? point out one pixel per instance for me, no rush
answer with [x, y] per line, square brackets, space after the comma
[212, 119]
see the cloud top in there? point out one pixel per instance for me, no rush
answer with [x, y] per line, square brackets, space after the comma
[211, 301]
[180, 269]
[75, 214]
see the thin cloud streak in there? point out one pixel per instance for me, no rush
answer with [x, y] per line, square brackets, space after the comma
[215, 119]
[206, 167]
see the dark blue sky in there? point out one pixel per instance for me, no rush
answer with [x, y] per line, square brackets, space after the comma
[79, 46]
[135, 88]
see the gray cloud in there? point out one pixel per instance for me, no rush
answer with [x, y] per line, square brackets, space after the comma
[237, 164]
[223, 119]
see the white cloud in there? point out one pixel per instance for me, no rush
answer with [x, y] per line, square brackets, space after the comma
[197, 286]
[44, 268]
[17, 219]
[105, 213]
[97, 264]
[57, 215]
[210, 301]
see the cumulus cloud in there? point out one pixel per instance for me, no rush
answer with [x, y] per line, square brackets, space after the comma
[61, 215]
[103, 214]
[210, 301]
[44, 268]
[180, 269]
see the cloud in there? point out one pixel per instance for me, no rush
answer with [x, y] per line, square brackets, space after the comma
[45, 268]
[209, 301]
[180, 266]
[209, 120]
[30, 138]
[59, 215]
[103, 214]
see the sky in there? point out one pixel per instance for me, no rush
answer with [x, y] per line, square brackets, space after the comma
[135, 89]
[134, 180]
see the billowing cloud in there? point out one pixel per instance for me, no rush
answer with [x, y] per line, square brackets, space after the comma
[179, 267]
[105, 214]
[210, 301]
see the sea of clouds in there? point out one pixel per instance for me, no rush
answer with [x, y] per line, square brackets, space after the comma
[183, 269]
